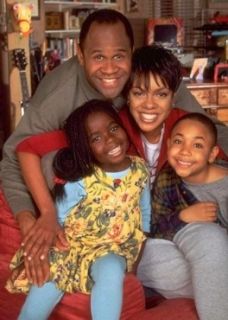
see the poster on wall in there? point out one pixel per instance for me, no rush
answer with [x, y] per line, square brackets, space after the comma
[134, 8]
[165, 30]
[35, 9]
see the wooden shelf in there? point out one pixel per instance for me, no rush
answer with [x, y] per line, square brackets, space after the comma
[213, 27]
[80, 4]
[212, 96]
[63, 21]
[65, 31]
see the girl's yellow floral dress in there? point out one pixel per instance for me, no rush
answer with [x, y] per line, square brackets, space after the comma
[106, 220]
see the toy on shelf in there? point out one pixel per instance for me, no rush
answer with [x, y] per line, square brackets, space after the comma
[22, 13]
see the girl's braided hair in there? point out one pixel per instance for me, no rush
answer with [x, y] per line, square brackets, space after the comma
[77, 161]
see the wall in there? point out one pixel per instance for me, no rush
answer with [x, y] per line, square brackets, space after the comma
[10, 77]
[38, 26]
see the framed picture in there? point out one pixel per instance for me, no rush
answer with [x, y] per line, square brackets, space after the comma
[221, 72]
[198, 67]
[166, 31]
[36, 9]
[132, 6]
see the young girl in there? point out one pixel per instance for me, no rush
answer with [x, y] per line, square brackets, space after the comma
[100, 192]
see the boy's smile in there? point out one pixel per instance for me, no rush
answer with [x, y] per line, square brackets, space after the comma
[190, 150]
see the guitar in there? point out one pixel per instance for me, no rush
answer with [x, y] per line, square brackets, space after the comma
[21, 63]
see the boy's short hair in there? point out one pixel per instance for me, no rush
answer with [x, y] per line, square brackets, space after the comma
[159, 62]
[203, 119]
[108, 16]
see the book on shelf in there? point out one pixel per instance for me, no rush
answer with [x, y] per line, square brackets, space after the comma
[66, 47]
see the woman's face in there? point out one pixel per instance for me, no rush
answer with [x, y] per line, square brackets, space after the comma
[150, 106]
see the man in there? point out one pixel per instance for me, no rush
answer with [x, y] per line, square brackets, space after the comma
[100, 70]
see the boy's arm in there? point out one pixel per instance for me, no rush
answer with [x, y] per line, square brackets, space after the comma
[166, 218]
[200, 212]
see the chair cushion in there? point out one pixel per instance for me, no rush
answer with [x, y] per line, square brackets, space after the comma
[77, 306]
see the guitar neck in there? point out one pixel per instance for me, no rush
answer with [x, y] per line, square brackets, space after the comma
[24, 89]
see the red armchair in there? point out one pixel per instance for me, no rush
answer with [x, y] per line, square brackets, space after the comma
[77, 306]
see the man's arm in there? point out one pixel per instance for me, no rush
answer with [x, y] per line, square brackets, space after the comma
[41, 234]
[185, 100]
[52, 103]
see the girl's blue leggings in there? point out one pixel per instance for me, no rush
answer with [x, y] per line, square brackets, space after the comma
[106, 295]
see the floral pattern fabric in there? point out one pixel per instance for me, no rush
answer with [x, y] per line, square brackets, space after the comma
[106, 220]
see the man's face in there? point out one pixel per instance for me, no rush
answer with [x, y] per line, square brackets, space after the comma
[106, 58]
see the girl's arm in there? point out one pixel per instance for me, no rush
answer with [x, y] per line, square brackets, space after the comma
[146, 210]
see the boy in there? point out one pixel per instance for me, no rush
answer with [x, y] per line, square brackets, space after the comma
[188, 197]
[193, 188]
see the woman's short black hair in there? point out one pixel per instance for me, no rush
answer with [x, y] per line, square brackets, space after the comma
[159, 62]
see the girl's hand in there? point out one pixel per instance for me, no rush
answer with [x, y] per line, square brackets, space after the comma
[61, 242]
[200, 212]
